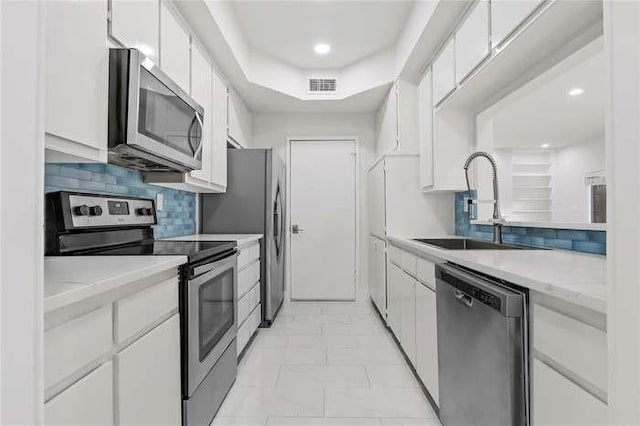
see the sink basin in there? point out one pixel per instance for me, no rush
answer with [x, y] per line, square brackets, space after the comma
[470, 244]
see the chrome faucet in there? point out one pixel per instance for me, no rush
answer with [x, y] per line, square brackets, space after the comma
[496, 220]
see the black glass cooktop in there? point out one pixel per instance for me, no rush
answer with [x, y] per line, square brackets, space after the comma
[194, 250]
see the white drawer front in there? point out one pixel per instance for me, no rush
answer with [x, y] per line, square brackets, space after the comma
[248, 254]
[579, 347]
[72, 345]
[87, 402]
[247, 278]
[409, 262]
[559, 401]
[248, 303]
[394, 254]
[143, 308]
[246, 331]
[427, 272]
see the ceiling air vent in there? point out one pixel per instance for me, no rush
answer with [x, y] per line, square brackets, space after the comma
[322, 85]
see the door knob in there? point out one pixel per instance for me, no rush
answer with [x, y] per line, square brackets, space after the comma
[296, 229]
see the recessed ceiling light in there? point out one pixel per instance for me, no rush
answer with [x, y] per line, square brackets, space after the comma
[576, 91]
[545, 145]
[322, 48]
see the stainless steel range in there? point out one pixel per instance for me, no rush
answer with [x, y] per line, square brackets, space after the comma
[90, 224]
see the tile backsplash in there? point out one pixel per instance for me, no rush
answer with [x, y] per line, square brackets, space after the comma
[566, 239]
[176, 218]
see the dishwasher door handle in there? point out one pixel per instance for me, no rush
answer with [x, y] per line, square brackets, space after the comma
[463, 298]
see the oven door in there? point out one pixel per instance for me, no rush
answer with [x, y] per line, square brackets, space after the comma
[211, 317]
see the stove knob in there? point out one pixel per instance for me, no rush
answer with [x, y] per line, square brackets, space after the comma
[82, 210]
[144, 211]
[149, 211]
[95, 211]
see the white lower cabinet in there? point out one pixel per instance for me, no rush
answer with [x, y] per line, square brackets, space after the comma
[559, 401]
[394, 277]
[377, 288]
[89, 401]
[120, 362]
[427, 339]
[148, 377]
[408, 316]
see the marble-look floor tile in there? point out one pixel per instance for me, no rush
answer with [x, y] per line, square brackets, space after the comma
[240, 421]
[376, 341]
[295, 328]
[301, 421]
[364, 356]
[314, 319]
[352, 329]
[310, 308]
[290, 355]
[377, 402]
[346, 308]
[292, 401]
[391, 376]
[339, 376]
[257, 375]
[411, 422]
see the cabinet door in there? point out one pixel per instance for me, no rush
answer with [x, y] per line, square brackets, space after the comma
[444, 79]
[427, 339]
[219, 133]
[394, 277]
[89, 401]
[377, 288]
[239, 119]
[148, 374]
[559, 401]
[174, 48]
[507, 15]
[76, 78]
[377, 200]
[472, 40]
[134, 23]
[201, 90]
[408, 316]
[426, 130]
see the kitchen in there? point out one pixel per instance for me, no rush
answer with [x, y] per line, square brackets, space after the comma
[176, 228]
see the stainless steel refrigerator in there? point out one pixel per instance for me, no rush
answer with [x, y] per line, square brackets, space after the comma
[253, 204]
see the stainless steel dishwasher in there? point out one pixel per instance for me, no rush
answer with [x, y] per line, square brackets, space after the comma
[482, 349]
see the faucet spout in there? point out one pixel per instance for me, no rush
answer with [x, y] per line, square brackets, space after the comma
[497, 217]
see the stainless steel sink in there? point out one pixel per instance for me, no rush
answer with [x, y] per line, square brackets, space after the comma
[471, 244]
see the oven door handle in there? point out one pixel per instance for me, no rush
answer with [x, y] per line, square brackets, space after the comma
[197, 271]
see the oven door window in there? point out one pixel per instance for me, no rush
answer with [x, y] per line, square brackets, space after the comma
[216, 310]
[163, 116]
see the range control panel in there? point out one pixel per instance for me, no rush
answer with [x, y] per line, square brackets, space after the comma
[92, 211]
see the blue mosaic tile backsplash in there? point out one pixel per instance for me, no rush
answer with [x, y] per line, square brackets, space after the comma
[176, 218]
[566, 239]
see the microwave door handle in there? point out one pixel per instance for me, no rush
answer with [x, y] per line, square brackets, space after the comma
[199, 148]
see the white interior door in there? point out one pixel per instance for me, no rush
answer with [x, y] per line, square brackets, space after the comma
[323, 220]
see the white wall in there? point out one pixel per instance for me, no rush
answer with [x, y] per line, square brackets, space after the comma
[272, 130]
[570, 164]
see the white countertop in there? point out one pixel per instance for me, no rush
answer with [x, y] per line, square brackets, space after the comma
[241, 239]
[71, 279]
[575, 277]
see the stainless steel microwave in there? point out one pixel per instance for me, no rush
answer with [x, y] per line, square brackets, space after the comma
[153, 124]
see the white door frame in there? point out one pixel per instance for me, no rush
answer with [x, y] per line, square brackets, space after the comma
[290, 140]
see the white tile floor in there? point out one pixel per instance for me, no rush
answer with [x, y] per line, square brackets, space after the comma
[329, 363]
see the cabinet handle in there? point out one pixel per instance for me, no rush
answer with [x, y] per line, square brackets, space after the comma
[463, 298]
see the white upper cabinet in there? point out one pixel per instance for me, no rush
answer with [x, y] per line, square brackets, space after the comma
[202, 91]
[443, 68]
[239, 120]
[507, 15]
[135, 23]
[76, 81]
[174, 48]
[472, 40]
[426, 130]
[219, 132]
